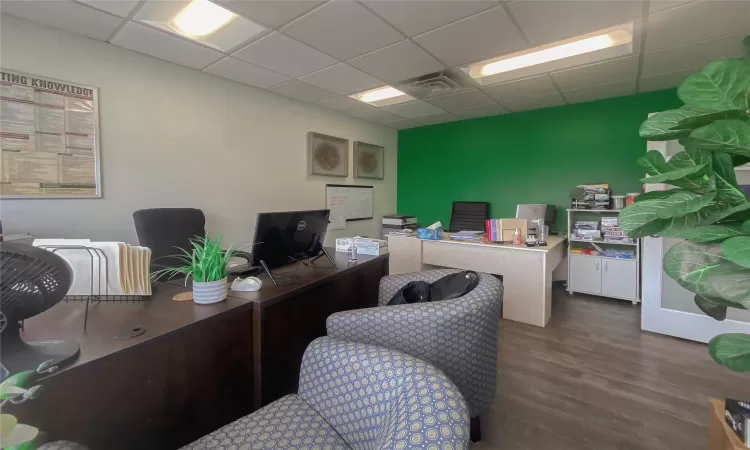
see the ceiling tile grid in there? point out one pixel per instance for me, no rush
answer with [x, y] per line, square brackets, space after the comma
[320, 51]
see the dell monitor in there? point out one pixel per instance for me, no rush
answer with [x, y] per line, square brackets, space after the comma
[285, 237]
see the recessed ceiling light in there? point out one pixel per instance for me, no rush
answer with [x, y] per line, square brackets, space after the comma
[201, 18]
[552, 52]
[383, 96]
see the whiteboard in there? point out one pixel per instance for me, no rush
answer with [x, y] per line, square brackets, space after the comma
[350, 202]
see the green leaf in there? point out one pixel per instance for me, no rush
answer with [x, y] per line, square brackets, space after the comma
[737, 250]
[731, 350]
[713, 310]
[685, 202]
[720, 85]
[660, 126]
[672, 175]
[707, 117]
[702, 269]
[725, 213]
[731, 136]
[711, 233]
[641, 219]
[724, 167]
[654, 162]
[655, 195]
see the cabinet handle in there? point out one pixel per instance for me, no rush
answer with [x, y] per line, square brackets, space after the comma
[605, 266]
[597, 265]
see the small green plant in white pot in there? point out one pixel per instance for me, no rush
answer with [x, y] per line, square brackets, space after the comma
[206, 264]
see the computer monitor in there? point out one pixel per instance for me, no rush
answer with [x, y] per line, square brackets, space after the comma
[285, 237]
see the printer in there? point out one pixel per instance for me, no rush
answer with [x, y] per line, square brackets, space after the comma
[537, 214]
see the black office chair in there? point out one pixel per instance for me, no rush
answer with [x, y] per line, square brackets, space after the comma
[165, 230]
[469, 216]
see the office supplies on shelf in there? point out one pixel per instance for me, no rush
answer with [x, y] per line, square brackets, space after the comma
[282, 238]
[32, 280]
[590, 196]
[503, 230]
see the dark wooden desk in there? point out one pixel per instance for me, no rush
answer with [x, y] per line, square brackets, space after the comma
[197, 367]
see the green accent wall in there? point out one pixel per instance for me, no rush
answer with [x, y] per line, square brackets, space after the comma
[527, 157]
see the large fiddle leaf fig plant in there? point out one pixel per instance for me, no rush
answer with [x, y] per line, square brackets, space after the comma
[706, 208]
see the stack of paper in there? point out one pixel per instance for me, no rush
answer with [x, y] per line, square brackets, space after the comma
[112, 268]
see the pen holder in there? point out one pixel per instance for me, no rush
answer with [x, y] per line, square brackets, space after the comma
[430, 235]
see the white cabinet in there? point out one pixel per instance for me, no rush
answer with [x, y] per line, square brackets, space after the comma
[585, 274]
[619, 278]
[603, 276]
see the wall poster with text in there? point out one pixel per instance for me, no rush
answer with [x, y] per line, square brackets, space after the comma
[49, 138]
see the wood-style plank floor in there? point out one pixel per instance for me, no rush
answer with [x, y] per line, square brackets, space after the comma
[593, 380]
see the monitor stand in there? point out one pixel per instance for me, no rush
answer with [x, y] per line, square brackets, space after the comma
[322, 253]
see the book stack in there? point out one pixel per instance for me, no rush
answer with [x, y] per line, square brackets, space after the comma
[107, 268]
[586, 231]
[467, 235]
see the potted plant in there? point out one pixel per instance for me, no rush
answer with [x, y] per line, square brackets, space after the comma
[206, 264]
[706, 208]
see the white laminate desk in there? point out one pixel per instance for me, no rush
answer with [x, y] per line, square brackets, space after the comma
[526, 271]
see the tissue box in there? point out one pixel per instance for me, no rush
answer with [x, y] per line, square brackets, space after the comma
[430, 235]
[365, 246]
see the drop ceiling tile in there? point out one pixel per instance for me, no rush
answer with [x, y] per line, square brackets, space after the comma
[482, 111]
[486, 35]
[346, 105]
[463, 100]
[609, 90]
[66, 15]
[696, 22]
[376, 116]
[438, 118]
[343, 29]
[271, 13]
[342, 79]
[692, 56]
[302, 91]
[283, 54]
[245, 73]
[158, 13]
[143, 39]
[599, 73]
[120, 8]
[414, 17]
[661, 5]
[412, 110]
[552, 20]
[663, 81]
[397, 62]
[521, 89]
[526, 104]
[404, 124]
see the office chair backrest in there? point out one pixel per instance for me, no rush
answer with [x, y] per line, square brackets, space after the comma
[164, 230]
[469, 216]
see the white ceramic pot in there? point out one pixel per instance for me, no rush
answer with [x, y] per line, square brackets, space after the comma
[208, 292]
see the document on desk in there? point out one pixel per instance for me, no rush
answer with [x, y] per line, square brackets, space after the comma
[103, 268]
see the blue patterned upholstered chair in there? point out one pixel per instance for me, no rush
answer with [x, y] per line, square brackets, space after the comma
[355, 396]
[457, 336]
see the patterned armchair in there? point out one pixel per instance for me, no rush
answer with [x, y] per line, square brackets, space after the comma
[355, 396]
[457, 336]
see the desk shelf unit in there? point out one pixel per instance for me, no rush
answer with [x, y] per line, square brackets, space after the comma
[617, 278]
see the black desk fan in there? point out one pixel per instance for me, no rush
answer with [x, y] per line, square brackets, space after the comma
[32, 280]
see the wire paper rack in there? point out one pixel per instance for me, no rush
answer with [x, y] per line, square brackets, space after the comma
[99, 291]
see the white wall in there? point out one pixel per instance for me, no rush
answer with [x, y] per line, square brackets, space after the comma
[172, 136]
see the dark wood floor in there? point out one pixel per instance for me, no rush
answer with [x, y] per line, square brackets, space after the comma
[593, 380]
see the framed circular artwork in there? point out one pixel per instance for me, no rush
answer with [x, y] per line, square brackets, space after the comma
[327, 155]
[368, 160]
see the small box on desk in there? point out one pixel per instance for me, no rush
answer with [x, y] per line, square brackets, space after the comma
[430, 235]
[365, 246]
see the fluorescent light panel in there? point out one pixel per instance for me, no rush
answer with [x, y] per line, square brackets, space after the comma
[201, 18]
[383, 96]
[553, 52]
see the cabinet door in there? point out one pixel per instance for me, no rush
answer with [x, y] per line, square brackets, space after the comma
[619, 278]
[585, 274]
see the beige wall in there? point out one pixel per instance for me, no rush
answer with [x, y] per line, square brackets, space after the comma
[173, 136]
